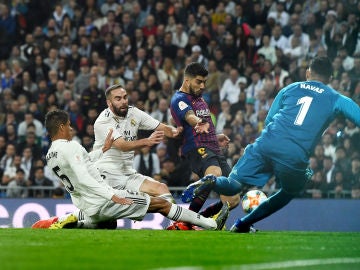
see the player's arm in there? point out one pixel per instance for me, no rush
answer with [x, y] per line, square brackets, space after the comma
[75, 158]
[199, 124]
[125, 146]
[97, 154]
[349, 109]
[223, 140]
[169, 131]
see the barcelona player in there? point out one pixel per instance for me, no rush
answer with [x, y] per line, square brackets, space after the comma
[200, 145]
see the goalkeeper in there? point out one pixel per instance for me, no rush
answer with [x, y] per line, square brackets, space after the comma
[296, 121]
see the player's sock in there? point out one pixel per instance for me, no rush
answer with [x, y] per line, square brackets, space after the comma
[198, 202]
[84, 221]
[168, 197]
[212, 209]
[177, 213]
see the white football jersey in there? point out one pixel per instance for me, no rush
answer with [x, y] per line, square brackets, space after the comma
[71, 163]
[126, 127]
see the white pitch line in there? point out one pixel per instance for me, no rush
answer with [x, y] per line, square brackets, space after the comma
[296, 263]
[272, 265]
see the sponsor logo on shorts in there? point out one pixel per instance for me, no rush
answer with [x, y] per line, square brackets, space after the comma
[202, 152]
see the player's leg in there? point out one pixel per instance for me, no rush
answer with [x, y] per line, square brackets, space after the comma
[292, 182]
[178, 213]
[216, 206]
[150, 186]
[76, 219]
[224, 171]
[204, 162]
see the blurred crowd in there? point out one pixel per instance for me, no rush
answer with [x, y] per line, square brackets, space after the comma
[64, 54]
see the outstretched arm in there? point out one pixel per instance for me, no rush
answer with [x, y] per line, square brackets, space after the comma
[125, 146]
[169, 131]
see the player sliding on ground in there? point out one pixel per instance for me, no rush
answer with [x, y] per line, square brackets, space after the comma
[296, 121]
[98, 203]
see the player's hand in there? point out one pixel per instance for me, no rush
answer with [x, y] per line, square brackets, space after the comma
[202, 127]
[177, 131]
[223, 140]
[156, 137]
[108, 141]
[122, 201]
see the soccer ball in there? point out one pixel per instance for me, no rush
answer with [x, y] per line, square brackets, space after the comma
[252, 199]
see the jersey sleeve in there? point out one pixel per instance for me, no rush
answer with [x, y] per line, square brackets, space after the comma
[147, 122]
[348, 108]
[179, 107]
[95, 155]
[275, 107]
[86, 173]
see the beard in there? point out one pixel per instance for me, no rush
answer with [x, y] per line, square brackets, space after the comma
[122, 112]
[193, 93]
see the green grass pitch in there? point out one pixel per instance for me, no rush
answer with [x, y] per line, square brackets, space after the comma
[176, 250]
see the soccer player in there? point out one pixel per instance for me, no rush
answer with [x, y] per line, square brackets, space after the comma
[98, 202]
[116, 165]
[296, 121]
[201, 146]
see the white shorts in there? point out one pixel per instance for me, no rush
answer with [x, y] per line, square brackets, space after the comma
[135, 211]
[120, 181]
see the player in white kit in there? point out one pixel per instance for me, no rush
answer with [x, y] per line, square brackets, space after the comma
[116, 165]
[98, 202]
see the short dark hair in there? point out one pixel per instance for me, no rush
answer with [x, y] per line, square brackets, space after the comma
[322, 66]
[54, 119]
[195, 69]
[112, 87]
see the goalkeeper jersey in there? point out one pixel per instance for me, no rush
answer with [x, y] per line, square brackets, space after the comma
[298, 117]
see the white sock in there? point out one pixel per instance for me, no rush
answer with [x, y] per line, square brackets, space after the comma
[168, 197]
[179, 213]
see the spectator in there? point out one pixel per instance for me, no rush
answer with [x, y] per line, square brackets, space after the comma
[328, 169]
[18, 187]
[29, 119]
[92, 97]
[338, 185]
[40, 180]
[317, 186]
[197, 56]
[162, 113]
[175, 174]
[8, 158]
[168, 72]
[82, 80]
[328, 145]
[180, 37]
[223, 117]
[230, 90]
[32, 142]
[147, 163]
[108, 5]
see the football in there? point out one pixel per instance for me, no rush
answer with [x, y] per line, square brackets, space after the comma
[252, 199]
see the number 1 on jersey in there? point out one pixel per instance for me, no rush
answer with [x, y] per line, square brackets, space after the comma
[305, 105]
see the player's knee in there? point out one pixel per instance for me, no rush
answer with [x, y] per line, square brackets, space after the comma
[162, 188]
[214, 170]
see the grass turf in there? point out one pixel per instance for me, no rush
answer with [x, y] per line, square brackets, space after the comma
[192, 250]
